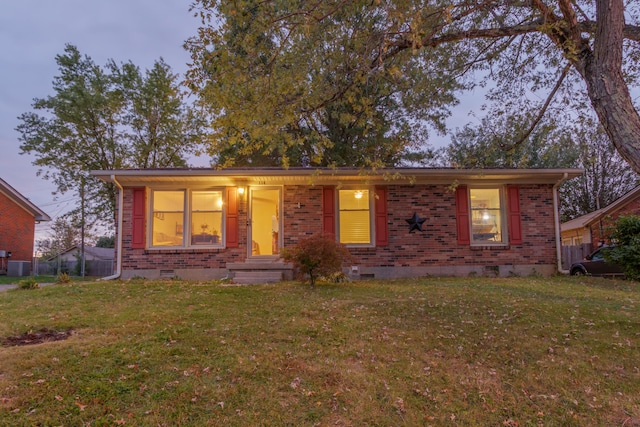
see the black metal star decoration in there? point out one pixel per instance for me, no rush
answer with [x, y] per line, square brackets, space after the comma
[415, 222]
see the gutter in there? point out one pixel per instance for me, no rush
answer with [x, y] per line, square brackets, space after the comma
[119, 231]
[556, 217]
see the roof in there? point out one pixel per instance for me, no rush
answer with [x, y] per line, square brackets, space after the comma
[22, 201]
[579, 222]
[590, 218]
[99, 253]
[312, 176]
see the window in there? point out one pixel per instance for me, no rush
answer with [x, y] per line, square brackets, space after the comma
[200, 224]
[168, 218]
[487, 217]
[354, 220]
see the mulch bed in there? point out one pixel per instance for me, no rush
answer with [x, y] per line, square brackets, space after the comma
[36, 337]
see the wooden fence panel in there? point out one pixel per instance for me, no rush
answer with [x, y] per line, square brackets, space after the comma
[92, 268]
[571, 254]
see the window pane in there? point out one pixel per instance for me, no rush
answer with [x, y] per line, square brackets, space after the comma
[355, 216]
[206, 217]
[354, 227]
[206, 201]
[486, 215]
[168, 218]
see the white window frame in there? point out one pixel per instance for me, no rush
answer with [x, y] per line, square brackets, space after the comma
[372, 236]
[187, 216]
[503, 217]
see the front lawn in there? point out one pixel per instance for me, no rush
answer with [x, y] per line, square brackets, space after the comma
[9, 280]
[434, 351]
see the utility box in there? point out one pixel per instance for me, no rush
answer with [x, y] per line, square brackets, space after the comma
[18, 268]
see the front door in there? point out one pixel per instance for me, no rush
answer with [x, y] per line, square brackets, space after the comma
[265, 226]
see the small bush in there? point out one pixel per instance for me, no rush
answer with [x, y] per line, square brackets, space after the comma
[625, 235]
[63, 278]
[317, 255]
[29, 283]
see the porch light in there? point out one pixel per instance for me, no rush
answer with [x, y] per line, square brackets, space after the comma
[241, 191]
[358, 194]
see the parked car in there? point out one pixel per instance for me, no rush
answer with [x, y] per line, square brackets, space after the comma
[595, 265]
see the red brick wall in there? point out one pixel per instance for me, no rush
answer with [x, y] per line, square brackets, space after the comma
[435, 246]
[17, 230]
[172, 259]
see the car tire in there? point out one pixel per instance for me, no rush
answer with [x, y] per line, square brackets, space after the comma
[578, 272]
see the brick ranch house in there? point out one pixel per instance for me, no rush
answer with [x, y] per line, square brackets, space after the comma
[403, 222]
[18, 218]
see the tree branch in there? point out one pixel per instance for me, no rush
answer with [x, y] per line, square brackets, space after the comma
[535, 122]
[485, 33]
[629, 32]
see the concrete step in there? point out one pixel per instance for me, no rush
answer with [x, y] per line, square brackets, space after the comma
[252, 277]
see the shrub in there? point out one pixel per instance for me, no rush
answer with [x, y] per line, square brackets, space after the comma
[63, 278]
[29, 283]
[625, 235]
[317, 255]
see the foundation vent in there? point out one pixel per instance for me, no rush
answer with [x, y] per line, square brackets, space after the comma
[167, 274]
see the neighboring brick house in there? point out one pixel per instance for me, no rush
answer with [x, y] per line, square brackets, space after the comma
[208, 224]
[18, 217]
[592, 227]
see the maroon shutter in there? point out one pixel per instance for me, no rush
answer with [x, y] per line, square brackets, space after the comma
[233, 224]
[515, 218]
[380, 206]
[328, 210]
[138, 233]
[462, 215]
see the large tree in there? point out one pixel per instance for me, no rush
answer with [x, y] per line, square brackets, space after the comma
[583, 145]
[265, 67]
[102, 118]
[607, 176]
[490, 144]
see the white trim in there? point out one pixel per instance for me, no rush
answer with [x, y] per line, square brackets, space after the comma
[186, 219]
[556, 223]
[372, 237]
[504, 227]
[251, 191]
[119, 233]
[13, 194]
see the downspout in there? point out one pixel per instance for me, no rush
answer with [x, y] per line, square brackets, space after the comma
[556, 218]
[119, 231]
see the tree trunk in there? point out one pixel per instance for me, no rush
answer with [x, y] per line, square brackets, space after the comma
[609, 94]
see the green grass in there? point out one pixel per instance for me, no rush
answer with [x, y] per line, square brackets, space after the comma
[433, 351]
[8, 280]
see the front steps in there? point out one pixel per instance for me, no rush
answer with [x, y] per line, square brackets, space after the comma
[254, 272]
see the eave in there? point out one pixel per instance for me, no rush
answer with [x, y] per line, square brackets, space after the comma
[37, 213]
[326, 176]
[614, 207]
